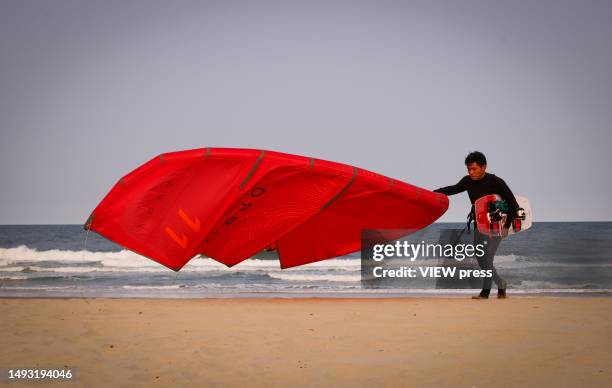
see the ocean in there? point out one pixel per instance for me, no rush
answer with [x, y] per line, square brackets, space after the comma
[66, 261]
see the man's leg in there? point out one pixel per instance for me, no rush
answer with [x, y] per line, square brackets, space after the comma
[486, 263]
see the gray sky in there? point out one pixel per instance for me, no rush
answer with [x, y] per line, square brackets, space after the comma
[90, 90]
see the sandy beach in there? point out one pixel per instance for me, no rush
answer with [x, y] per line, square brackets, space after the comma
[313, 342]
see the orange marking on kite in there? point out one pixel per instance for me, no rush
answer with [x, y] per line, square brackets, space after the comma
[182, 241]
[194, 225]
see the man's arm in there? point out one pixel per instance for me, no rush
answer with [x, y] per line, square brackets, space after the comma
[454, 189]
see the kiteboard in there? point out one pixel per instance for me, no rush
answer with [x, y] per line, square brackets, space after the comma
[492, 212]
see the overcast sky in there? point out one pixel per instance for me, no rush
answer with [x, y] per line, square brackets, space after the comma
[89, 90]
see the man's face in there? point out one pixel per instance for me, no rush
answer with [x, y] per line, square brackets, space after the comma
[475, 171]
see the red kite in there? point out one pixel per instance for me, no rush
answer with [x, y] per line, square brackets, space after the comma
[230, 204]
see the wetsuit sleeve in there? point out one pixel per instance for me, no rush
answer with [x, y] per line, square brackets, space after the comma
[460, 187]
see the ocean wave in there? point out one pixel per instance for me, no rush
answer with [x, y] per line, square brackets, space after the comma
[16, 277]
[39, 288]
[544, 285]
[316, 278]
[125, 260]
[169, 287]
[120, 258]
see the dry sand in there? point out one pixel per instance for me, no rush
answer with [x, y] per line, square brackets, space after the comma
[459, 342]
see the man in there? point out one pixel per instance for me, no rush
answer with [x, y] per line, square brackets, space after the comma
[479, 183]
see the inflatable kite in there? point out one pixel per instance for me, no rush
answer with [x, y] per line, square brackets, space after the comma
[230, 204]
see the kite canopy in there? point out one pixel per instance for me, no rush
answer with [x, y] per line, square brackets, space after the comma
[230, 204]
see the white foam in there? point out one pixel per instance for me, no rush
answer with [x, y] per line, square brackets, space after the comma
[120, 258]
[170, 287]
[543, 285]
[314, 278]
[17, 277]
[14, 259]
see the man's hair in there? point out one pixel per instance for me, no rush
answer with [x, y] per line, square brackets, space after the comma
[476, 157]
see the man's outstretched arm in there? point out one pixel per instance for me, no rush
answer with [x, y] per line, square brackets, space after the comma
[454, 189]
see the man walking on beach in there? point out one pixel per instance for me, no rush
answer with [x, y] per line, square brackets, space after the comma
[479, 183]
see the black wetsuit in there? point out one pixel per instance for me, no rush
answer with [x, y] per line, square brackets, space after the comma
[489, 184]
